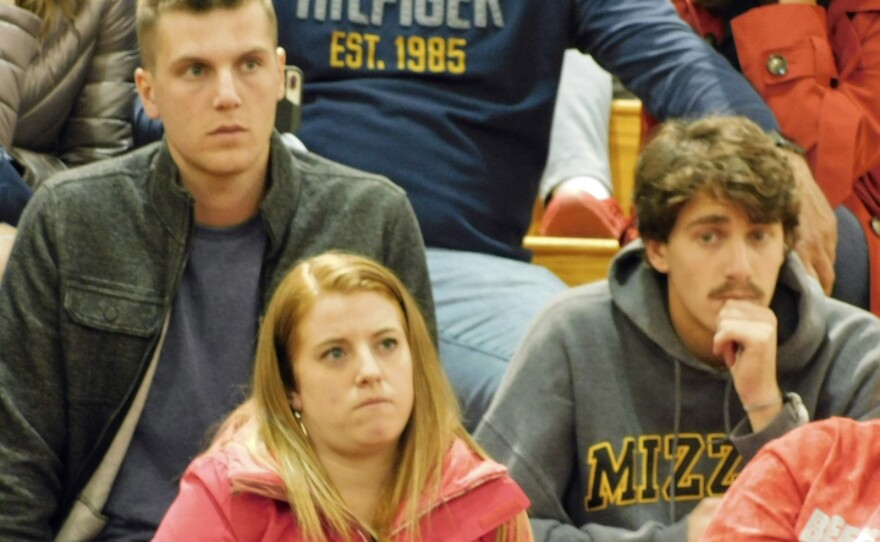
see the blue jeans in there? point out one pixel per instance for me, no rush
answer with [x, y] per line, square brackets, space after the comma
[14, 192]
[484, 305]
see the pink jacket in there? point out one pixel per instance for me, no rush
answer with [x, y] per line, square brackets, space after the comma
[226, 495]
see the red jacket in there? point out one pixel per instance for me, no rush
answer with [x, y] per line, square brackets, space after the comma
[828, 98]
[226, 495]
[817, 483]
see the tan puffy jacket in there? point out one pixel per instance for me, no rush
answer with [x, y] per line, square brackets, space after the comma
[66, 99]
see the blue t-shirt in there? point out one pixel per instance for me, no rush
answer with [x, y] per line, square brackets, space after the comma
[203, 373]
[453, 99]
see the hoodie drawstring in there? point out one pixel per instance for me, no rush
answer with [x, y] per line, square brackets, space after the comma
[727, 388]
[676, 427]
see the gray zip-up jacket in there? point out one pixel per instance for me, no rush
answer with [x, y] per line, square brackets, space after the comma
[66, 98]
[603, 401]
[97, 262]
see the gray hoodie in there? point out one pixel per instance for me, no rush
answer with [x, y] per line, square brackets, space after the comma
[602, 402]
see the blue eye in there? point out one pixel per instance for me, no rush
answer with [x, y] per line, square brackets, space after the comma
[389, 344]
[333, 354]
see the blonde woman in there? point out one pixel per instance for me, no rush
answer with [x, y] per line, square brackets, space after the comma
[351, 431]
[66, 86]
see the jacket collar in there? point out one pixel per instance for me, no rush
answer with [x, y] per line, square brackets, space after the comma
[462, 471]
[174, 204]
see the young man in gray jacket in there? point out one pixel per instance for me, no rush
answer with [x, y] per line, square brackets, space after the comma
[633, 403]
[130, 304]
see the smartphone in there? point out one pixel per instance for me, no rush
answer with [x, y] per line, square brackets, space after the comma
[288, 113]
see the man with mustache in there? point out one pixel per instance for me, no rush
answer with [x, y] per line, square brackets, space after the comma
[817, 72]
[633, 403]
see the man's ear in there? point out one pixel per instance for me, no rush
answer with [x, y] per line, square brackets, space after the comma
[144, 82]
[281, 58]
[656, 254]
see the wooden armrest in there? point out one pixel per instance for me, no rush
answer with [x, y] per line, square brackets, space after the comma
[574, 260]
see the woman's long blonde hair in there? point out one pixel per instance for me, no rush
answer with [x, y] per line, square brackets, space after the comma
[49, 10]
[432, 427]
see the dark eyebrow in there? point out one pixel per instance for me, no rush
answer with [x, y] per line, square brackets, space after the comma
[709, 220]
[186, 61]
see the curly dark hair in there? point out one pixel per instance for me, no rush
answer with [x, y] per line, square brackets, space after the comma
[727, 158]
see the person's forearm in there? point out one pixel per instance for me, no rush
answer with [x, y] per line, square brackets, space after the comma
[820, 89]
[682, 77]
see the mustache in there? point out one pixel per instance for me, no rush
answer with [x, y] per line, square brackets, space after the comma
[734, 287]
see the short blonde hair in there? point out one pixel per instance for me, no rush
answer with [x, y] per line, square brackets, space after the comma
[149, 12]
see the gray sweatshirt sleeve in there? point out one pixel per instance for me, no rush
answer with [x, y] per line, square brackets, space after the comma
[792, 415]
[845, 379]
[530, 427]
